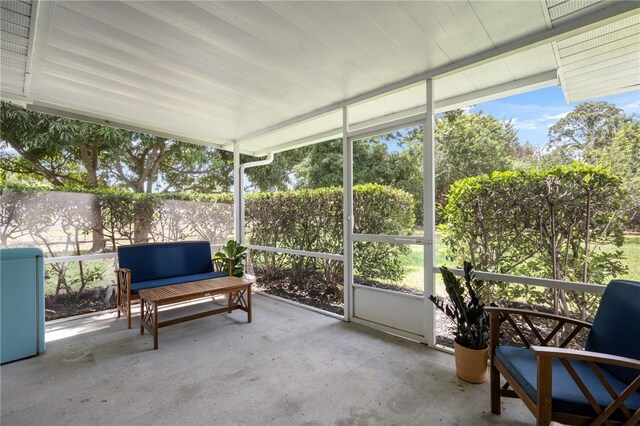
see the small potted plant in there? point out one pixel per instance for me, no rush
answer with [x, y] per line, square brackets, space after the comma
[230, 257]
[466, 309]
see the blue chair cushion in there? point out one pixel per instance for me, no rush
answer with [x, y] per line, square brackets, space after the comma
[141, 285]
[566, 396]
[616, 327]
[164, 260]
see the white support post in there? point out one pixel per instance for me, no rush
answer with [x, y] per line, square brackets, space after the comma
[238, 220]
[429, 214]
[347, 214]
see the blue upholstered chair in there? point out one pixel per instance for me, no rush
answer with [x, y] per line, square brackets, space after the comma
[600, 385]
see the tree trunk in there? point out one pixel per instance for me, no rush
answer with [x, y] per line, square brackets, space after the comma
[97, 228]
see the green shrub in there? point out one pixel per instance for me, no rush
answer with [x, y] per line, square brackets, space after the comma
[308, 220]
[541, 223]
[311, 220]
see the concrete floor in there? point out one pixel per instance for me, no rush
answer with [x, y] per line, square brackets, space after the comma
[290, 366]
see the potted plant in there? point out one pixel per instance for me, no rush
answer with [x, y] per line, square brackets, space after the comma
[466, 309]
[231, 255]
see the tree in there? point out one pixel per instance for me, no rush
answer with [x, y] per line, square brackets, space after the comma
[66, 152]
[471, 145]
[623, 156]
[372, 163]
[277, 176]
[62, 151]
[585, 132]
[59, 150]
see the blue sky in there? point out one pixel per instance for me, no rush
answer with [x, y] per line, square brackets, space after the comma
[536, 111]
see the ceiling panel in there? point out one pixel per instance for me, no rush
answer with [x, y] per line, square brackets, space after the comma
[15, 24]
[601, 61]
[215, 72]
[561, 11]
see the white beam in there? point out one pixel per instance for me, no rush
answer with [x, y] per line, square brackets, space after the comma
[408, 116]
[383, 128]
[107, 121]
[527, 84]
[309, 140]
[238, 220]
[39, 29]
[15, 99]
[429, 214]
[347, 215]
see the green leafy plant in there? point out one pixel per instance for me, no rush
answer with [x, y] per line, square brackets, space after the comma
[465, 307]
[563, 223]
[232, 254]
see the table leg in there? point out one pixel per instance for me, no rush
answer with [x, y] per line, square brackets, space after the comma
[249, 304]
[155, 325]
[141, 315]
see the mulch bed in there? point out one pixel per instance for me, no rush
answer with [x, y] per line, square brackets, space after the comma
[91, 300]
[312, 294]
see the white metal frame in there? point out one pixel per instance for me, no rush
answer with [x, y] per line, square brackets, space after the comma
[347, 215]
[429, 213]
[415, 116]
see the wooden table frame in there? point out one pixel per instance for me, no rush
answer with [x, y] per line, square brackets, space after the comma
[238, 291]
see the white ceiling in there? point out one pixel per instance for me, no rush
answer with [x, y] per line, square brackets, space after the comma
[217, 72]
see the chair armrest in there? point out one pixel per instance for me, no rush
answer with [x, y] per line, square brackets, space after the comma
[544, 358]
[530, 313]
[223, 265]
[601, 358]
[123, 276]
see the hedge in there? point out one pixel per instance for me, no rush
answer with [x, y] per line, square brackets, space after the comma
[308, 220]
[312, 220]
[556, 223]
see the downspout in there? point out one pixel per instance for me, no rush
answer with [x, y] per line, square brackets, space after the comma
[243, 167]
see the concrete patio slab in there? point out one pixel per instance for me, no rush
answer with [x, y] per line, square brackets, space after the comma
[290, 366]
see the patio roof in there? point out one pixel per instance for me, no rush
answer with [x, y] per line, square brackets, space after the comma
[274, 75]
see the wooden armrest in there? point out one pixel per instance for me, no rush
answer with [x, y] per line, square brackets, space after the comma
[226, 265]
[546, 351]
[125, 270]
[530, 313]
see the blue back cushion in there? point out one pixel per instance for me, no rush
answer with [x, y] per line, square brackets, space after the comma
[616, 327]
[163, 260]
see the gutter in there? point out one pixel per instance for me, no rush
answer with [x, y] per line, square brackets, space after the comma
[243, 167]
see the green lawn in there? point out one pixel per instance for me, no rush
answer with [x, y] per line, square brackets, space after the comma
[631, 250]
[413, 262]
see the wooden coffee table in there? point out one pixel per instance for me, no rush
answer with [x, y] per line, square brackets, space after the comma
[238, 291]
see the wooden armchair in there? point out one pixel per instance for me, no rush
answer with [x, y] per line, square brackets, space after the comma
[600, 385]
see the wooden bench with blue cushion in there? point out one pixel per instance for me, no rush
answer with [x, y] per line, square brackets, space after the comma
[600, 385]
[151, 265]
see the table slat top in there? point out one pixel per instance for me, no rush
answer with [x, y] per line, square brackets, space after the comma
[195, 288]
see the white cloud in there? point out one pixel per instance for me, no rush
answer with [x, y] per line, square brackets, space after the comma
[556, 116]
[532, 124]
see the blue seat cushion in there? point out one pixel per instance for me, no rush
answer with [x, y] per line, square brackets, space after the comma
[141, 285]
[155, 261]
[616, 327]
[566, 396]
